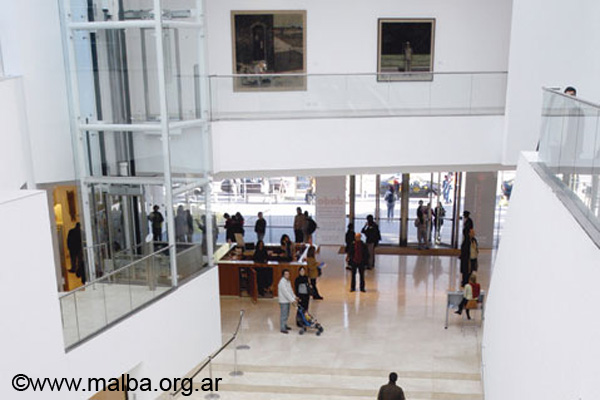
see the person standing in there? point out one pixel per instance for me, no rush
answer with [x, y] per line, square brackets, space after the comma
[75, 247]
[390, 200]
[190, 226]
[299, 226]
[286, 298]
[156, 220]
[439, 212]
[180, 225]
[465, 261]
[313, 271]
[474, 251]
[357, 256]
[421, 225]
[302, 287]
[467, 224]
[391, 391]
[311, 227]
[349, 240]
[229, 229]
[260, 227]
[373, 236]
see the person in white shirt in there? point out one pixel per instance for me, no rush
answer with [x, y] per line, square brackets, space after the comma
[286, 297]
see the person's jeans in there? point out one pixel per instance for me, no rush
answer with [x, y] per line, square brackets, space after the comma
[390, 211]
[285, 314]
[260, 236]
[371, 247]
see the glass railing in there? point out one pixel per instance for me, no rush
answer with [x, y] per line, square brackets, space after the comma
[248, 97]
[92, 307]
[569, 149]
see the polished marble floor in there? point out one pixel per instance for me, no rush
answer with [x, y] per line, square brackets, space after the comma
[397, 325]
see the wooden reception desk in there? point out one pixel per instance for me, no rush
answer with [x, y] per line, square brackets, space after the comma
[239, 274]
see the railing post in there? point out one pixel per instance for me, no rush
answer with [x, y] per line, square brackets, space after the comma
[242, 346]
[236, 371]
[211, 395]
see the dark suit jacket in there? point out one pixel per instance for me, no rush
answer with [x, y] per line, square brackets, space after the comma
[391, 392]
[364, 254]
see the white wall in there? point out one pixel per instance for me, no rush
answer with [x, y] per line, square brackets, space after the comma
[341, 36]
[541, 328]
[337, 145]
[32, 48]
[166, 339]
[554, 43]
[15, 150]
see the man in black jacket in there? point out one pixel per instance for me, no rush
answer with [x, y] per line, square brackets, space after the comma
[357, 256]
[371, 231]
[75, 247]
[391, 391]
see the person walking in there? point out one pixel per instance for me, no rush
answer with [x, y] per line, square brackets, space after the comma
[190, 226]
[260, 227]
[391, 391]
[286, 298]
[390, 200]
[180, 225]
[313, 271]
[299, 226]
[229, 230]
[156, 220]
[357, 256]
[373, 236]
[465, 261]
[467, 224]
[473, 251]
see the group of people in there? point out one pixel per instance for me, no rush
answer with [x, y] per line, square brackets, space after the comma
[427, 221]
[361, 255]
[304, 227]
[305, 286]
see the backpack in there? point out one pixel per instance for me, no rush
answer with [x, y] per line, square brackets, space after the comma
[312, 226]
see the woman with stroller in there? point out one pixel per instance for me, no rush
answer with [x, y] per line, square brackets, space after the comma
[313, 271]
[302, 288]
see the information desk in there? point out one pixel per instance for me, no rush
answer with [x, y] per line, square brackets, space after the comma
[239, 274]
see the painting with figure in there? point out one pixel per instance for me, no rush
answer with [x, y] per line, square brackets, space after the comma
[405, 49]
[269, 43]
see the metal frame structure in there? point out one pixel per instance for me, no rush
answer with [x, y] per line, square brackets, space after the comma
[73, 27]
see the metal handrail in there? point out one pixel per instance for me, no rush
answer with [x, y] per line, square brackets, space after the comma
[95, 281]
[573, 98]
[216, 353]
[360, 74]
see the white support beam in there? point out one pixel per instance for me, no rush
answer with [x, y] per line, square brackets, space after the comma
[99, 25]
[121, 127]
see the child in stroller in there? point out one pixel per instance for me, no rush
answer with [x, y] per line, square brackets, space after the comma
[307, 321]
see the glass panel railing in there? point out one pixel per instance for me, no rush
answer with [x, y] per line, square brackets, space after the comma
[570, 149]
[244, 97]
[91, 307]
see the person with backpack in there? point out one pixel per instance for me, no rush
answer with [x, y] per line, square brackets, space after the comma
[373, 235]
[311, 227]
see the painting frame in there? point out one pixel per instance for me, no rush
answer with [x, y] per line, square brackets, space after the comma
[283, 46]
[397, 59]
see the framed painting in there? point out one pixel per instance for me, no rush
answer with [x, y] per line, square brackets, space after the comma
[269, 43]
[405, 49]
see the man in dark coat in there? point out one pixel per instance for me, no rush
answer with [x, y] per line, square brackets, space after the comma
[465, 261]
[358, 257]
[373, 235]
[391, 391]
[75, 247]
[156, 220]
[467, 224]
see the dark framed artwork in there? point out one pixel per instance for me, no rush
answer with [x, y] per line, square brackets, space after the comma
[269, 43]
[405, 49]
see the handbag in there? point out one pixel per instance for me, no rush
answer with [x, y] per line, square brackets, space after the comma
[471, 304]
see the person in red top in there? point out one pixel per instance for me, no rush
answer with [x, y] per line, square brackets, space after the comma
[472, 291]
[357, 257]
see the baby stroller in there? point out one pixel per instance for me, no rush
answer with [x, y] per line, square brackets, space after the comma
[308, 321]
